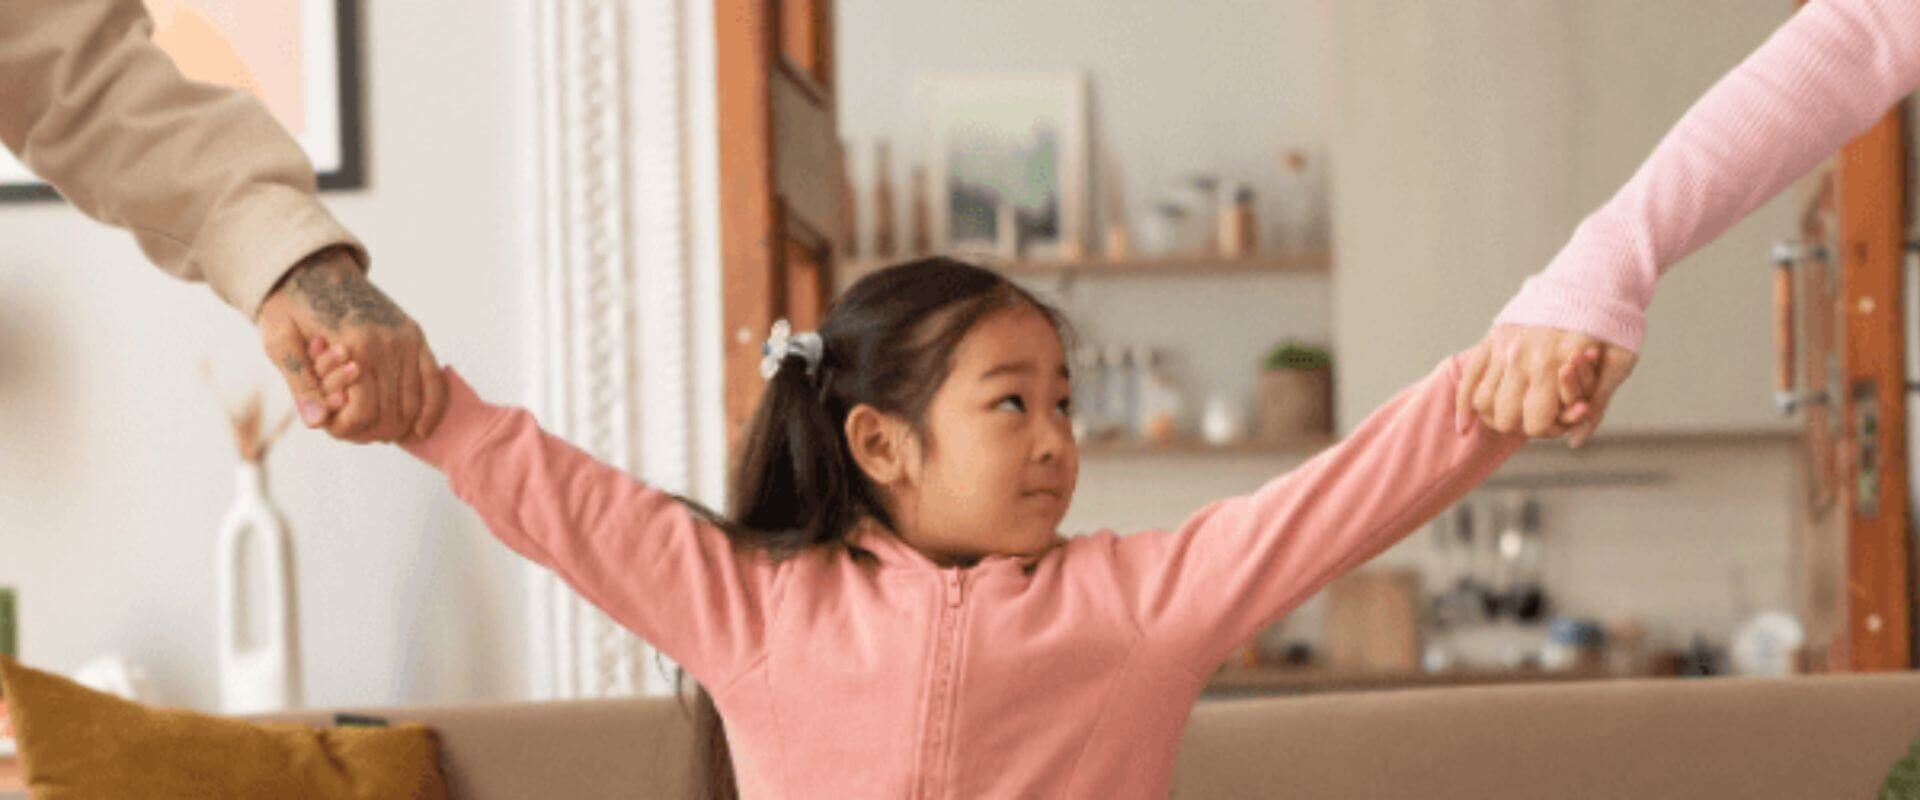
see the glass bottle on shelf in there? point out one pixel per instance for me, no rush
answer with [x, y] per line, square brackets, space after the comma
[1086, 391]
[1236, 225]
[1160, 230]
[1160, 406]
[1201, 197]
[1118, 403]
[920, 220]
[1099, 389]
[883, 240]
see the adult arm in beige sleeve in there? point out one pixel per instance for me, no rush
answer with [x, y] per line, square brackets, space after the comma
[209, 184]
[214, 190]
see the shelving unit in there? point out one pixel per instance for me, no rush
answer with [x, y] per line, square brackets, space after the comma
[1311, 445]
[1317, 261]
[1304, 447]
[1306, 263]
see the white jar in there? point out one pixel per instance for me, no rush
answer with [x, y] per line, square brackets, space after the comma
[1160, 229]
[1223, 421]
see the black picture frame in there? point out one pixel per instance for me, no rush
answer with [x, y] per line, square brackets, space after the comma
[351, 173]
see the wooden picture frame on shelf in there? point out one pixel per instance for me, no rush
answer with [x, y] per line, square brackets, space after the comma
[1007, 146]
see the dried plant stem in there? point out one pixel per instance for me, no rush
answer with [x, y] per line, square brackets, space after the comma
[245, 418]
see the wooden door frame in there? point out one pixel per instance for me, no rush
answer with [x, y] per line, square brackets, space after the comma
[1871, 176]
[749, 248]
[758, 269]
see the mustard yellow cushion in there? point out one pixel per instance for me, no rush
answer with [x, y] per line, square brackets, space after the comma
[79, 744]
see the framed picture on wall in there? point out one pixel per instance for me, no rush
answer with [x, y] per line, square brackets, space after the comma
[1007, 160]
[300, 57]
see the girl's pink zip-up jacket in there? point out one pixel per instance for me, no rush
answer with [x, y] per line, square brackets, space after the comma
[1066, 675]
[1071, 674]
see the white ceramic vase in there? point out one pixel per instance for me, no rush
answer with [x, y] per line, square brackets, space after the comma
[258, 641]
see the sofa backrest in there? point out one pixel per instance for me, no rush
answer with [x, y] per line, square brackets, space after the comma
[1754, 739]
[626, 748]
[1834, 736]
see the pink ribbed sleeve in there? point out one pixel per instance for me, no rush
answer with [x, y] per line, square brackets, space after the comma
[1239, 563]
[1821, 79]
[635, 552]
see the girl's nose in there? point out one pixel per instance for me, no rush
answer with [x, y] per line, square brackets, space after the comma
[1052, 441]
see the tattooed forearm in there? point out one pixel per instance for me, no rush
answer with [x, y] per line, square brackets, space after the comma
[339, 293]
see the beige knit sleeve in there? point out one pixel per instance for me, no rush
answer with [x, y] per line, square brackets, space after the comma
[209, 184]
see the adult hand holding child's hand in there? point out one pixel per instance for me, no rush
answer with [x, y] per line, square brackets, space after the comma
[327, 297]
[1544, 381]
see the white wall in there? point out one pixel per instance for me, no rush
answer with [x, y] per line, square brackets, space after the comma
[115, 465]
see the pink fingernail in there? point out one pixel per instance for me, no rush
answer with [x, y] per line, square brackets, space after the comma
[311, 413]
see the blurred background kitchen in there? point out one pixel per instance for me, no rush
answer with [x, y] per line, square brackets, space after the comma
[1263, 216]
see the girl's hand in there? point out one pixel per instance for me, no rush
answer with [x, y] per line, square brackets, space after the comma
[336, 370]
[1544, 381]
[1614, 364]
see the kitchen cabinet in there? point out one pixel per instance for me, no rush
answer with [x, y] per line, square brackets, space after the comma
[1469, 140]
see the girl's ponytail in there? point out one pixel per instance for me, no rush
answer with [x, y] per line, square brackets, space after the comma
[791, 484]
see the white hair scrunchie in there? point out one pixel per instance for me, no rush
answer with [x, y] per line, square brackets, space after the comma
[783, 342]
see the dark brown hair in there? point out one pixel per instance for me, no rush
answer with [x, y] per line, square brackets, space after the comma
[888, 343]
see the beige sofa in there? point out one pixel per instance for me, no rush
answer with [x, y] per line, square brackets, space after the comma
[1756, 739]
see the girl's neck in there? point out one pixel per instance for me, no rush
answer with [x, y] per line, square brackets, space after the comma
[938, 556]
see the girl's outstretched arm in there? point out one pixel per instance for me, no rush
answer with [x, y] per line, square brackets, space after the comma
[1202, 589]
[636, 552]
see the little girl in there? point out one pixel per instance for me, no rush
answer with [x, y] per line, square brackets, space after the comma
[889, 610]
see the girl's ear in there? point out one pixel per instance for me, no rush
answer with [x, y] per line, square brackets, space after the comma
[878, 443]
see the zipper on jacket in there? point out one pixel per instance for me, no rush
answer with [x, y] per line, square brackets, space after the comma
[946, 680]
[954, 579]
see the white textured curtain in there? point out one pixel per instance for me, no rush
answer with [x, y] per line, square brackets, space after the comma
[617, 351]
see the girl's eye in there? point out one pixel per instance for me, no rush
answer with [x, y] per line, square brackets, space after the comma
[1065, 406]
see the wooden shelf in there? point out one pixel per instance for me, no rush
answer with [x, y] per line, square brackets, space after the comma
[1319, 261]
[1307, 262]
[1313, 444]
[1679, 438]
[1305, 446]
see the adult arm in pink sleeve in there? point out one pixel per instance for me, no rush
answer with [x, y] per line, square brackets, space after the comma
[1826, 75]
[635, 552]
[1237, 564]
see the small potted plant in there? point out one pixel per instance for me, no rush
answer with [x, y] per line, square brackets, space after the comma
[1296, 393]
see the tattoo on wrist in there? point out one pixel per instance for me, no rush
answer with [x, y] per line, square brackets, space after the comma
[339, 293]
